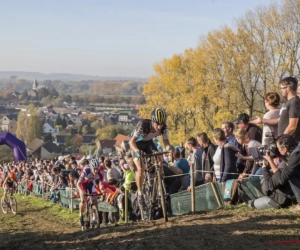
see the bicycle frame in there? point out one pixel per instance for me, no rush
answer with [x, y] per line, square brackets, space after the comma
[89, 207]
[155, 185]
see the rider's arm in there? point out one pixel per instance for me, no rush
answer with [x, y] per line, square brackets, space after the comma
[132, 143]
[166, 142]
[5, 180]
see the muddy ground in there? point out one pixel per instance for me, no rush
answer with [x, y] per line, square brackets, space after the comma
[38, 227]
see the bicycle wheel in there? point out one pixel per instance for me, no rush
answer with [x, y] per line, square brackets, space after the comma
[153, 197]
[13, 204]
[94, 217]
[4, 205]
[146, 211]
[162, 197]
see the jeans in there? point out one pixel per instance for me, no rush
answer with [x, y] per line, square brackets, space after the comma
[294, 182]
[256, 181]
[261, 203]
[295, 186]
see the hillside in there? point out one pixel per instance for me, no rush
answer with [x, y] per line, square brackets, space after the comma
[65, 76]
[42, 225]
[72, 84]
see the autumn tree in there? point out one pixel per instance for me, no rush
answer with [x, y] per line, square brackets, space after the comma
[77, 141]
[29, 124]
[229, 72]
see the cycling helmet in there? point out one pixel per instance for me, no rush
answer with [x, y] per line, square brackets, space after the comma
[94, 163]
[61, 158]
[89, 157]
[12, 175]
[158, 116]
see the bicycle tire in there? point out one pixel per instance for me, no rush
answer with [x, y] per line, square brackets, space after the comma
[13, 204]
[4, 205]
[162, 197]
[94, 217]
[154, 196]
[146, 213]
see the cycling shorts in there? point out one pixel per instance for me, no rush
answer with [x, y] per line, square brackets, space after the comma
[10, 184]
[146, 146]
[89, 188]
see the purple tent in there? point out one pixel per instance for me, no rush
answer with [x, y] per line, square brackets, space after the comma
[15, 144]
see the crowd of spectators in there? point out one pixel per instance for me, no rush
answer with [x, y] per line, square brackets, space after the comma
[228, 156]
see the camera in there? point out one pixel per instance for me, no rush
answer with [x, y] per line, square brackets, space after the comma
[272, 149]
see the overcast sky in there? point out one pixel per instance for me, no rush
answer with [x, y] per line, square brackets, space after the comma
[106, 37]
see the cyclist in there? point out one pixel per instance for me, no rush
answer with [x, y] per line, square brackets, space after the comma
[87, 184]
[8, 183]
[142, 140]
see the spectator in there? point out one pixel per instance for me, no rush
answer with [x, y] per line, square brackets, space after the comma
[290, 111]
[225, 156]
[243, 122]
[208, 151]
[181, 150]
[196, 159]
[250, 166]
[228, 128]
[276, 184]
[112, 173]
[272, 101]
[182, 164]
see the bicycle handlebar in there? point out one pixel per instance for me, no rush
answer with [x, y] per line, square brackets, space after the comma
[91, 194]
[156, 153]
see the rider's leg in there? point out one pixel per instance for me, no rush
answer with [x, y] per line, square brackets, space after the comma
[5, 187]
[83, 200]
[160, 162]
[139, 175]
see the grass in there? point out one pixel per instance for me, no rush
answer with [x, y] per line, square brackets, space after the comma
[29, 202]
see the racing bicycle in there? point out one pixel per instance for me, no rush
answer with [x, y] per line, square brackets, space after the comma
[91, 217]
[8, 202]
[154, 189]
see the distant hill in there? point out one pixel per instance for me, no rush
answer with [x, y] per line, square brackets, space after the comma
[65, 77]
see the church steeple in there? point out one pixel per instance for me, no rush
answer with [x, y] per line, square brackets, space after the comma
[35, 85]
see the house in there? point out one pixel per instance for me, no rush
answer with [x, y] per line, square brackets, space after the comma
[134, 113]
[48, 129]
[107, 146]
[123, 117]
[76, 119]
[48, 150]
[122, 148]
[8, 123]
[60, 139]
[120, 138]
[88, 139]
[35, 144]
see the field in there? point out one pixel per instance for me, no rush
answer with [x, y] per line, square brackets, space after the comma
[42, 225]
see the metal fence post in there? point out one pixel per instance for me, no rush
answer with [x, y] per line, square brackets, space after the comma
[126, 206]
[193, 201]
[71, 194]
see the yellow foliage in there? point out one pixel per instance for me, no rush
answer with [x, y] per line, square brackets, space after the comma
[228, 73]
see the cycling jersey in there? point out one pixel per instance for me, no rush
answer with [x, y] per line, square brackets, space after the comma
[87, 176]
[10, 183]
[88, 181]
[143, 131]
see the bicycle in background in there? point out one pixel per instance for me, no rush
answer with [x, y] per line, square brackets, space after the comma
[90, 219]
[8, 202]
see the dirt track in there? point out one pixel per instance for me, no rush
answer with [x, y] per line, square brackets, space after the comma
[37, 228]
